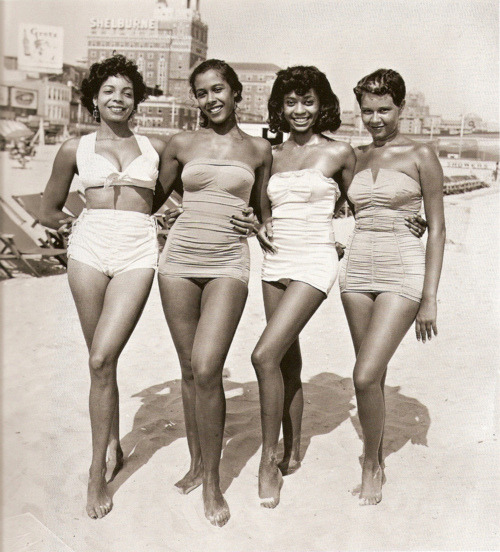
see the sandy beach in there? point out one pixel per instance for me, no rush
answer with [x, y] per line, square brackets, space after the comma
[441, 429]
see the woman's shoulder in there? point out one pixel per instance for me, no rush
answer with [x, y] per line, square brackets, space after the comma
[423, 152]
[260, 146]
[157, 143]
[336, 148]
[70, 146]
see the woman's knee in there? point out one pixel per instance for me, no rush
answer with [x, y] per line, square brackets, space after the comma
[366, 377]
[102, 367]
[186, 370]
[263, 360]
[207, 376]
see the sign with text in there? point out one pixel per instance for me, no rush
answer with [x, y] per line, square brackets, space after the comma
[40, 48]
[23, 97]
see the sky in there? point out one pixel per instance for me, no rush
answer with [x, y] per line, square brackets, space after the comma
[446, 49]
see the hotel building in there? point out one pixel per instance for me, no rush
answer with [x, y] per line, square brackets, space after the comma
[166, 47]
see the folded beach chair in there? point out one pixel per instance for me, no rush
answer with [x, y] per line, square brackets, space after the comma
[17, 245]
[32, 204]
[75, 203]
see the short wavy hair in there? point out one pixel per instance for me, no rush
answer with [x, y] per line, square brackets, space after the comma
[116, 65]
[300, 79]
[226, 72]
[382, 82]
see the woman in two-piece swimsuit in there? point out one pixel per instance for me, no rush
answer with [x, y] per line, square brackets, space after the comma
[204, 267]
[112, 249]
[309, 173]
[387, 278]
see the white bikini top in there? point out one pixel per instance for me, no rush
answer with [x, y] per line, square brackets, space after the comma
[95, 170]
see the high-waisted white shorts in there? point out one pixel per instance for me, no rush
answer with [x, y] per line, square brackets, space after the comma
[114, 241]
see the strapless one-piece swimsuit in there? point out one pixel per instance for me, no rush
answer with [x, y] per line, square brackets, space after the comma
[382, 255]
[302, 204]
[202, 243]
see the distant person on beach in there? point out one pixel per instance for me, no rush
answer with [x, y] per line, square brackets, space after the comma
[387, 279]
[204, 267]
[112, 249]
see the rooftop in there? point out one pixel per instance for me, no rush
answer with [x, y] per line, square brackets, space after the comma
[262, 67]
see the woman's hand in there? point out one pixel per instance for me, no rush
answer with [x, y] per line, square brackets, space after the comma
[416, 224]
[425, 322]
[65, 226]
[340, 247]
[170, 216]
[246, 222]
[265, 236]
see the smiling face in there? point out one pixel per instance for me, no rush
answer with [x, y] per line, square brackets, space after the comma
[115, 99]
[215, 97]
[301, 112]
[380, 115]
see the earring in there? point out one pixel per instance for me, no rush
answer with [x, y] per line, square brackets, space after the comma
[95, 113]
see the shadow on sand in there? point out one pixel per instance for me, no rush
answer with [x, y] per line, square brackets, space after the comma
[329, 401]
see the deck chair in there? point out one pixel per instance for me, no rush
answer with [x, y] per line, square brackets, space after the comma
[17, 245]
[75, 204]
[32, 204]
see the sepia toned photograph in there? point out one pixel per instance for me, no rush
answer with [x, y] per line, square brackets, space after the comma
[249, 275]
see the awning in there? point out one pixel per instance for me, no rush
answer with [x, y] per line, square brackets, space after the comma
[7, 127]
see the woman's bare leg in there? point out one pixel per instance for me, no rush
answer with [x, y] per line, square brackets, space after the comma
[299, 302]
[181, 300]
[89, 312]
[293, 405]
[120, 311]
[221, 306]
[391, 317]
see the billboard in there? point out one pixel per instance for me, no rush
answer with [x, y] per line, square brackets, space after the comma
[40, 48]
[23, 97]
[4, 95]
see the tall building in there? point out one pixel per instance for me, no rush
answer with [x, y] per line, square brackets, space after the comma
[257, 80]
[166, 47]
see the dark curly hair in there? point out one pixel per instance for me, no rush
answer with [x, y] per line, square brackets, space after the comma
[300, 79]
[225, 71]
[116, 65]
[381, 82]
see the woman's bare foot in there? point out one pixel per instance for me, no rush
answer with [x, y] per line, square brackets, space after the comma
[115, 460]
[289, 466]
[99, 502]
[216, 508]
[270, 483]
[192, 480]
[371, 485]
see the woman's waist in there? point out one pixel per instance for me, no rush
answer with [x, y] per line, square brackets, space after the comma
[386, 221]
[303, 231]
[122, 198]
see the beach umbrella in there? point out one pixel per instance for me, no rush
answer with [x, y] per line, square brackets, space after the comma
[19, 133]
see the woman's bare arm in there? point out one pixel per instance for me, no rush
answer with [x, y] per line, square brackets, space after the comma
[431, 181]
[57, 188]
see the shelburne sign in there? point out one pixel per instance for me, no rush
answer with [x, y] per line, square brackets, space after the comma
[97, 23]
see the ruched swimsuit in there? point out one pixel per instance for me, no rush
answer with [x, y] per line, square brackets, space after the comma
[302, 205]
[382, 254]
[203, 243]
